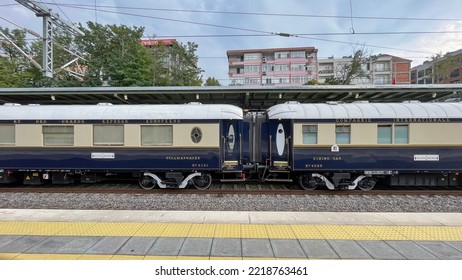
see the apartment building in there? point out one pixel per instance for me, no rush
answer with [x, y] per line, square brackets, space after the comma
[444, 70]
[380, 70]
[422, 74]
[277, 66]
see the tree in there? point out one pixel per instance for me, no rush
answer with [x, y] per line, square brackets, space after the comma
[114, 55]
[175, 64]
[443, 66]
[211, 81]
[346, 72]
[14, 65]
[332, 81]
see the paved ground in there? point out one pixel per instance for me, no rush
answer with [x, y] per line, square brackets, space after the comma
[91, 234]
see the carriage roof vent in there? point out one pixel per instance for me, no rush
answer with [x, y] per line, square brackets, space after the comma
[411, 101]
[292, 102]
[33, 104]
[194, 103]
[11, 104]
[457, 99]
[334, 102]
[104, 104]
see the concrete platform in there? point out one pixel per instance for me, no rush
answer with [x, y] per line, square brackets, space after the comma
[118, 234]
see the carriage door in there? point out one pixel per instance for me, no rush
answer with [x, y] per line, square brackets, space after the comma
[231, 143]
[280, 143]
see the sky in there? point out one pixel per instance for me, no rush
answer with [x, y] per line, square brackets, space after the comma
[419, 28]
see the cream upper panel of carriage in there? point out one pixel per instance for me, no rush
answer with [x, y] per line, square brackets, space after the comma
[365, 111]
[121, 112]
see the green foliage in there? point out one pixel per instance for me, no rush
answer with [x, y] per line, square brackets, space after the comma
[444, 65]
[111, 55]
[346, 73]
[211, 81]
[176, 65]
[114, 55]
[14, 66]
[11, 74]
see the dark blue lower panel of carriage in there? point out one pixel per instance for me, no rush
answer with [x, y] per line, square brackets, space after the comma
[379, 159]
[109, 159]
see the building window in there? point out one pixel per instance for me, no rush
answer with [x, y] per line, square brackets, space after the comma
[381, 79]
[382, 66]
[268, 80]
[58, 135]
[156, 135]
[252, 69]
[297, 67]
[108, 135]
[252, 56]
[299, 79]
[281, 80]
[281, 54]
[342, 134]
[401, 134]
[252, 81]
[298, 54]
[312, 67]
[7, 135]
[384, 135]
[281, 67]
[237, 82]
[268, 67]
[310, 134]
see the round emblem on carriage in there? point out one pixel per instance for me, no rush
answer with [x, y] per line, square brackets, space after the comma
[196, 135]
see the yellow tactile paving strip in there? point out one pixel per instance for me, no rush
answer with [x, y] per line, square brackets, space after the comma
[344, 232]
[15, 256]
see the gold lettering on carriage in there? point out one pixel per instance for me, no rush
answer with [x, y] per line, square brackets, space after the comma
[114, 121]
[357, 120]
[421, 120]
[72, 121]
[182, 158]
[163, 121]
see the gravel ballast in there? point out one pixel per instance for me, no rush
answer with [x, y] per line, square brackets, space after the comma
[233, 202]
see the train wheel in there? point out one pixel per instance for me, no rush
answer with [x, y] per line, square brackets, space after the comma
[202, 182]
[366, 184]
[147, 182]
[308, 183]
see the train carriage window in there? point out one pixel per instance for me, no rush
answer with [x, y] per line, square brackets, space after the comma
[58, 135]
[7, 135]
[342, 134]
[108, 135]
[401, 134]
[156, 135]
[384, 135]
[310, 134]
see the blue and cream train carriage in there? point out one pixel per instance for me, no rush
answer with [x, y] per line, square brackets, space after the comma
[163, 145]
[341, 146]
[344, 146]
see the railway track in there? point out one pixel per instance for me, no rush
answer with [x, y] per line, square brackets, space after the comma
[222, 189]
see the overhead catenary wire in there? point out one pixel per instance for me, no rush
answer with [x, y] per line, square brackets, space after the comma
[268, 33]
[61, 10]
[266, 14]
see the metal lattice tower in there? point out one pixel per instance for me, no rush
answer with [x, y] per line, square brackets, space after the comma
[49, 18]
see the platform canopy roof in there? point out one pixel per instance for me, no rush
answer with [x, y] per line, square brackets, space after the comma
[252, 98]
